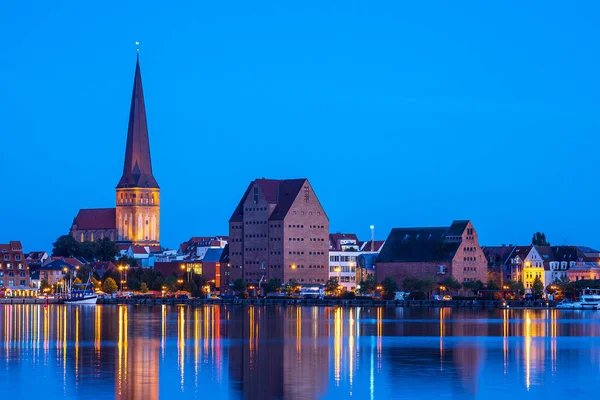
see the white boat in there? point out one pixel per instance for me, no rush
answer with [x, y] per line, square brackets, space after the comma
[589, 300]
[84, 295]
[77, 297]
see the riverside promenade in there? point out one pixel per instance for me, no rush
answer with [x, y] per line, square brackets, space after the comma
[337, 302]
[304, 302]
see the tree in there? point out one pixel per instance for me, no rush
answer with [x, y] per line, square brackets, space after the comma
[106, 250]
[409, 284]
[65, 246]
[95, 282]
[274, 285]
[390, 287]
[239, 285]
[331, 285]
[144, 287]
[538, 287]
[517, 287]
[109, 286]
[44, 285]
[474, 286]
[539, 239]
[492, 285]
[451, 283]
[426, 285]
[368, 285]
[171, 283]
[86, 250]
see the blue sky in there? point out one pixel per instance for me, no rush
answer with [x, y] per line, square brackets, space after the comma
[399, 113]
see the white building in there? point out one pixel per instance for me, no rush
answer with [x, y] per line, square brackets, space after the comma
[344, 250]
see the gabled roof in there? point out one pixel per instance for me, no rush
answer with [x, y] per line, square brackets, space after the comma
[334, 240]
[56, 265]
[96, 218]
[137, 170]
[418, 245]
[279, 192]
[521, 252]
[288, 191]
[458, 227]
[12, 246]
[139, 250]
[498, 254]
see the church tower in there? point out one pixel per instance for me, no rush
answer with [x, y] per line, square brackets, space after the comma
[138, 194]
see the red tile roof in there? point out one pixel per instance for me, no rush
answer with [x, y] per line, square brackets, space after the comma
[96, 218]
[334, 240]
[139, 250]
[280, 192]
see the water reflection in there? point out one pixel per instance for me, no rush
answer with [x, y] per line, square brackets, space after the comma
[128, 352]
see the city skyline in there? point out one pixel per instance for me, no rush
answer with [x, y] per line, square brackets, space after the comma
[395, 135]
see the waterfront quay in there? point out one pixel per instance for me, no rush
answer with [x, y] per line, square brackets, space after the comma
[336, 302]
[305, 302]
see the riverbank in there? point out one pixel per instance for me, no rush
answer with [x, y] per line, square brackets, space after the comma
[338, 302]
[306, 302]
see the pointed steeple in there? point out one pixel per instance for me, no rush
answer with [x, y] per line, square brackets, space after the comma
[137, 170]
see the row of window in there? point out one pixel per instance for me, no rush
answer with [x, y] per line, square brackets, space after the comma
[257, 235]
[10, 266]
[11, 282]
[255, 208]
[470, 258]
[7, 257]
[256, 249]
[316, 239]
[469, 279]
[316, 226]
[469, 249]
[339, 269]
[12, 274]
[316, 253]
[255, 222]
[346, 279]
[469, 269]
[131, 199]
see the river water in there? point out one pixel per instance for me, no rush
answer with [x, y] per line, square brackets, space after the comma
[289, 352]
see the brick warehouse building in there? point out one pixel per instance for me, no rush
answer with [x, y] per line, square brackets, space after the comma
[278, 230]
[433, 252]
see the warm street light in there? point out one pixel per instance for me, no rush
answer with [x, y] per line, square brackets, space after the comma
[293, 266]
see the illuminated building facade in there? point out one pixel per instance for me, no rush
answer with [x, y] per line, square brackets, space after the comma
[278, 230]
[433, 252]
[136, 218]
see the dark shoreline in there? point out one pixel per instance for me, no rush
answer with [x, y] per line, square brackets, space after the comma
[478, 304]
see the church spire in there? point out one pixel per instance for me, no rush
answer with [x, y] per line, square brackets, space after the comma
[137, 170]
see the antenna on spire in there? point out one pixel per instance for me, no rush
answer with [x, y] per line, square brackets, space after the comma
[137, 47]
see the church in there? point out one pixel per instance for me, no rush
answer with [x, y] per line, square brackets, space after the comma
[136, 217]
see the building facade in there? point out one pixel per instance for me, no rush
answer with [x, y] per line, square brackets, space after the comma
[278, 230]
[136, 218]
[433, 253]
[14, 273]
[345, 251]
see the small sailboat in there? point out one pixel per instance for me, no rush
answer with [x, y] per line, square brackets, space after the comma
[82, 294]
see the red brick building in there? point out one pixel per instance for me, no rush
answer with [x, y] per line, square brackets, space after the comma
[278, 230]
[14, 273]
[433, 252]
